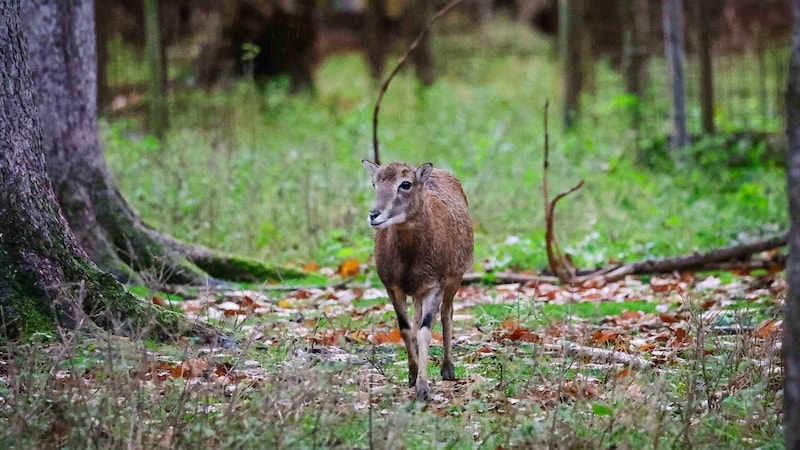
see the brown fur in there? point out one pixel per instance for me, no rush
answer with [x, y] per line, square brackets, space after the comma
[424, 256]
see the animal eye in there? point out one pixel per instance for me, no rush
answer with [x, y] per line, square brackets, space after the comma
[405, 186]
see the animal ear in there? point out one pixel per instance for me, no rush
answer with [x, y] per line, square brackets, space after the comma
[424, 172]
[372, 168]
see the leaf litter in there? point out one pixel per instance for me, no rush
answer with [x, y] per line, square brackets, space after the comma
[350, 333]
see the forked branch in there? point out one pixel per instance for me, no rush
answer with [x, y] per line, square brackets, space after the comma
[559, 263]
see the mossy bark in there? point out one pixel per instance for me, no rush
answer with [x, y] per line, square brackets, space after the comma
[45, 275]
[61, 44]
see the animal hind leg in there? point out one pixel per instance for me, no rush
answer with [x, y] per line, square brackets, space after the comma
[448, 370]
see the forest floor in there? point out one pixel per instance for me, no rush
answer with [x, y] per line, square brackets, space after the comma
[688, 360]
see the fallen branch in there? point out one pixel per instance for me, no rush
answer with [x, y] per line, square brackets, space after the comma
[573, 350]
[727, 258]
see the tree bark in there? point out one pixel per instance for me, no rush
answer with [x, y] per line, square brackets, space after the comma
[706, 68]
[674, 49]
[791, 327]
[155, 55]
[376, 44]
[102, 36]
[570, 29]
[44, 273]
[61, 45]
[422, 57]
[634, 17]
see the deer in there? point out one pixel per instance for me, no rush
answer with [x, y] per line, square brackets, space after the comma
[423, 246]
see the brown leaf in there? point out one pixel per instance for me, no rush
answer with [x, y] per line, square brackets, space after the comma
[647, 347]
[510, 329]
[626, 372]
[605, 336]
[223, 369]
[768, 328]
[349, 268]
[393, 337]
[630, 315]
[311, 267]
[668, 317]
[664, 284]
[159, 301]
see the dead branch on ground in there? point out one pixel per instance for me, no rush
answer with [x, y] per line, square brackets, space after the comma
[728, 258]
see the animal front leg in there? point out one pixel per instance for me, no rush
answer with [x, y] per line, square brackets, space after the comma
[430, 304]
[398, 299]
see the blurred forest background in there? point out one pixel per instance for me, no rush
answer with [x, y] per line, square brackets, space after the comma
[240, 124]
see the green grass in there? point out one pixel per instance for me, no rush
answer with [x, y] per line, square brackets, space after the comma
[252, 170]
[255, 171]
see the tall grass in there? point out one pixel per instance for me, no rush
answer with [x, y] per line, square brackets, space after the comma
[252, 170]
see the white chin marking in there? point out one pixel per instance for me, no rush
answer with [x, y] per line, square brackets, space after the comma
[377, 224]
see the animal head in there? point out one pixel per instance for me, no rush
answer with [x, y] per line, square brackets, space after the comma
[398, 192]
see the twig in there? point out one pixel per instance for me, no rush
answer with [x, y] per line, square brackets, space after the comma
[397, 68]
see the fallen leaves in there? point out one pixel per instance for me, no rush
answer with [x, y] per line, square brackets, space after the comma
[348, 325]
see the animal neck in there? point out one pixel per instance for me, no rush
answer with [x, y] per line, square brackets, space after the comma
[406, 233]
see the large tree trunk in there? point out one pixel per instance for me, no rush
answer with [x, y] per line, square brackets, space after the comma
[61, 45]
[791, 325]
[44, 272]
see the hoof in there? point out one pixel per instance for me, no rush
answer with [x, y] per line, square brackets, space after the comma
[423, 392]
[448, 372]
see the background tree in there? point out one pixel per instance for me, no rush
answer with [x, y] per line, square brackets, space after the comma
[706, 68]
[155, 57]
[570, 48]
[634, 18]
[61, 44]
[791, 326]
[44, 273]
[673, 48]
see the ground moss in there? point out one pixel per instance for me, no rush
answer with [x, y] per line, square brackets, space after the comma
[239, 269]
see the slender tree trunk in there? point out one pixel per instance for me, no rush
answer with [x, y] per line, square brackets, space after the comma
[157, 114]
[570, 42]
[673, 47]
[424, 62]
[634, 17]
[376, 38]
[44, 272]
[791, 325]
[706, 68]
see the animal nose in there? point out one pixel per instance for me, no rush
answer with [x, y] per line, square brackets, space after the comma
[373, 214]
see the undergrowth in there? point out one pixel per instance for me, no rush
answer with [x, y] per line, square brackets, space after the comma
[253, 170]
